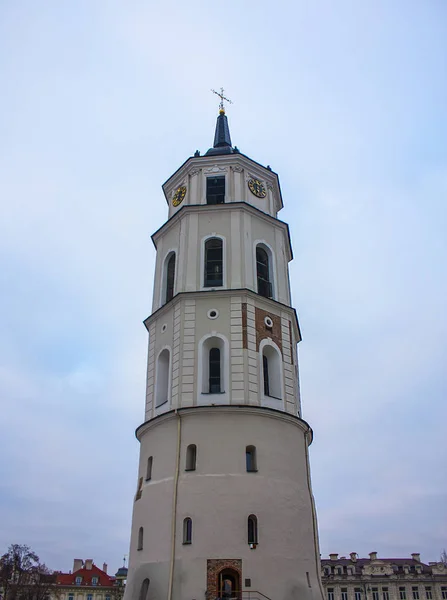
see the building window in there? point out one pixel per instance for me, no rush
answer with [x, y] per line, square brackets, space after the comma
[70, 596]
[339, 571]
[170, 277]
[214, 371]
[89, 596]
[385, 594]
[213, 262]
[250, 459]
[149, 468]
[252, 529]
[143, 591]
[78, 580]
[215, 190]
[344, 593]
[191, 457]
[444, 592]
[271, 371]
[213, 356]
[187, 531]
[402, 593]
[162, 378]
[415, 591]
[263, 272]
[428, 593]
[265, 366]
[358, 594]
[107, 597]
[140, 539]
[375, 592]
[330, 594]
[94, 581]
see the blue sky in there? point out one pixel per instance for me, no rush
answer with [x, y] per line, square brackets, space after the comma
[101, 101]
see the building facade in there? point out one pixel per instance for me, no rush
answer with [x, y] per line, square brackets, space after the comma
[224, 505]
[376, 578]
[89, 582]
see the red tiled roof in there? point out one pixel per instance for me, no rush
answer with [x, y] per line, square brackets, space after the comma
[86, 574]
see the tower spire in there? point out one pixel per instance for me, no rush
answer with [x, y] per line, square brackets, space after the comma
[222, 139]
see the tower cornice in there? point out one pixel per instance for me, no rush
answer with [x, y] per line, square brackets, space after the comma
[232, 408]
[203, 208]
[267, 302]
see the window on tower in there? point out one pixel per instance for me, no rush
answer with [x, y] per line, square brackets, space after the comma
[215, 190]
[140, 539]
[187, 530]
[263, 272]
[252, 529]
[170, 277]
[272, 371]
[191, 457]
[162, 386]
[144, 590]
[214, 371]
[149, 468]
[213, 366]
[213, 262]
[250, 459]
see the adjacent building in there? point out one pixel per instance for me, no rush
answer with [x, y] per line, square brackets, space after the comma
[89, 582]
[373, 578]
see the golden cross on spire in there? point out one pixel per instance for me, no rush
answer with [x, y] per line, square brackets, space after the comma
[222, 98]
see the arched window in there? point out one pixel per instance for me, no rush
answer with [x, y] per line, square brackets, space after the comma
[191, 457]
[272, 371]
[187, 530]
[149, 468]
[144, 590]
[140, 539]
[252, 529]
[214, 371]
[162, 378]
[250, 458]
[213, 263]
[264, 272]
[170, 277]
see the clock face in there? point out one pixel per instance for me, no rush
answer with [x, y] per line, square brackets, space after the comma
[257, 188]
[179, 195]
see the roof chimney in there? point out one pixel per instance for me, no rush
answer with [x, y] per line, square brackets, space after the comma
[333, 556]
[88, 563]
[416, 556]
[373, 556]
[353, 556]
[78, 563]
[104, 567]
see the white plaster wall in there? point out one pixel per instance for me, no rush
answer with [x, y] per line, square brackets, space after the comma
[220, 495]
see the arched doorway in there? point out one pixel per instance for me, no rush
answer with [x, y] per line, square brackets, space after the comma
[229, 584]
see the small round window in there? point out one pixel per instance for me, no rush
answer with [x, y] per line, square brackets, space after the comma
[164, 327]
[268, 322]
[213, 313]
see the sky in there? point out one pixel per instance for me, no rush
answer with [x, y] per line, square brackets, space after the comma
[101, 101]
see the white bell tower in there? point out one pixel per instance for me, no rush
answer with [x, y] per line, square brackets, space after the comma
[224, 504]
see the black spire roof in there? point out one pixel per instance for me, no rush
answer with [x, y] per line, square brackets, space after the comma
[222, 139]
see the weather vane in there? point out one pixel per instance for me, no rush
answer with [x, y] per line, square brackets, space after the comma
[222, 98]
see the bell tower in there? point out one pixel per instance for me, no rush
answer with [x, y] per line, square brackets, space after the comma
[224, 504]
